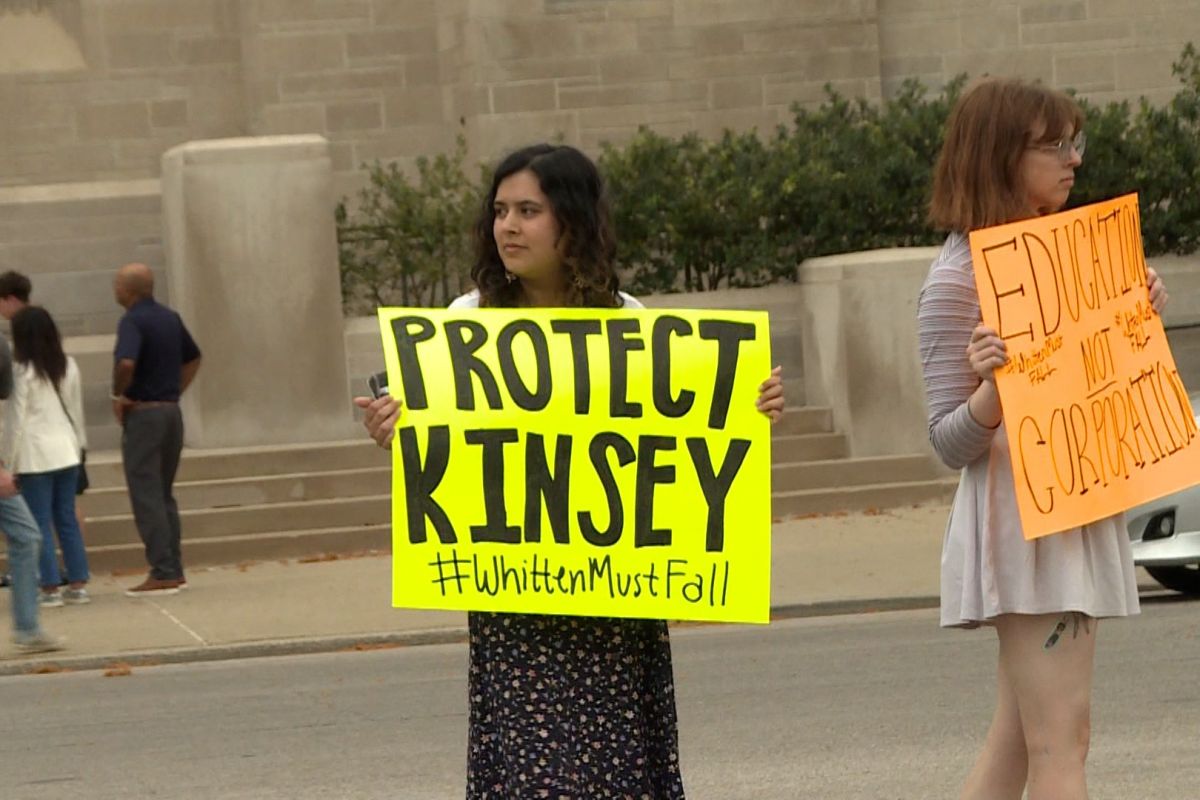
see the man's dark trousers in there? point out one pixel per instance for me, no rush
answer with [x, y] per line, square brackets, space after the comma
[150, 447]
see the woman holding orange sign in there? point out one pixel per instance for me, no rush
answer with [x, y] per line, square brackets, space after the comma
[1010, 153]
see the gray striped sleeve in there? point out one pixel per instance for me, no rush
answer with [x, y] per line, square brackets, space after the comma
[947, 312]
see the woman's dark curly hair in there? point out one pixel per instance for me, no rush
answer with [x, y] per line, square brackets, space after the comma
[579, 202]
[36, 342]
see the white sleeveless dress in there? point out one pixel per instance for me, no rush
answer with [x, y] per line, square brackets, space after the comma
[988, 568]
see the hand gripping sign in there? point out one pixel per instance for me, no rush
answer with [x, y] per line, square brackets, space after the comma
[1096, 417]
[581, 461]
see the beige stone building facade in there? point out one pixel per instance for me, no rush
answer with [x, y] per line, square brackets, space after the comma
[98, 89]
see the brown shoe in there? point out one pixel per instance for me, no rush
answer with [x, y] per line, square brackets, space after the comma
[152, 587]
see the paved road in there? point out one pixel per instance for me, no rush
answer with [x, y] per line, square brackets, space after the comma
[874, 706]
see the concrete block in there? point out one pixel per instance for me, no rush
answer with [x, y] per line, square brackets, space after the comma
[910, 66]
[871, 378]
[628, 68]
[538, 96]
[423, 105]
[141, 50]
[306, 52]
[1085, 71]
[737, 93]
[499, 133]
[207, 50]
[1145, 68]
[422, 71]
[341, 84]
[169, 113]
[159, 15]
[141, 156]
[467, 101]
[704, 68]
[660, 36]
[689, 91]
[1054, 11]
[396, 43]
[1082, 33]
[854, 34]
[1033, 64]
[248, 222]
[920, 38]
[113, 121]
[717, 12]
[308, 12]
[991, 28]
[605, 38]
[291, 118]
[504, 39]
[408, 12]
[355, 115]
[726, 40]
[641, 9]
[533, 69]
[416, 140]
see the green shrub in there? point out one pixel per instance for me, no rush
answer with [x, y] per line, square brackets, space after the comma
[745, 209]
[408, 243]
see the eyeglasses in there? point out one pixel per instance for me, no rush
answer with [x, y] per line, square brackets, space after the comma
[1063, 147]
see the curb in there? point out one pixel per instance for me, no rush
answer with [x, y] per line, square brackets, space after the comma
[49, 664]
[52, 663]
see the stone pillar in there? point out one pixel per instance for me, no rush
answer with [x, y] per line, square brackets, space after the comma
[251, 251]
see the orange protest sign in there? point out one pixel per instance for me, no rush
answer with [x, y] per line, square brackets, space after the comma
[1096, 416]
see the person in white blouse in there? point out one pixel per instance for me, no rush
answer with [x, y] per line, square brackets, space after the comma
[43, 443]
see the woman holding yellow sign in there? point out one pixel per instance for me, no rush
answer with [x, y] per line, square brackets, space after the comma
[561, 706]
[1010, 153]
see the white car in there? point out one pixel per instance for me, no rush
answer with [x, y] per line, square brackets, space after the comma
[1165, 534]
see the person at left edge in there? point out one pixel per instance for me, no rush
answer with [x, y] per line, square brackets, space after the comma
[43, 445]
[21, 533]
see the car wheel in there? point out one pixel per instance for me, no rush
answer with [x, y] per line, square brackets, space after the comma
[1184, 579]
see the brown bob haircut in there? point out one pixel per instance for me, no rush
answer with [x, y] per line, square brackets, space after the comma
[976, 182]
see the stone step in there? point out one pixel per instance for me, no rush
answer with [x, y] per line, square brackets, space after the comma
[803, 419]
[834, 473]
[807, 447]
[206, 523]
[315, 544]
[104, 468]
[350, 525]
[251, 491]
[862, 498]
[801, 434]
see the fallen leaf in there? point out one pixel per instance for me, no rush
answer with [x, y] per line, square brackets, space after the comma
[365, 646]
[118, 670]
[45, 669]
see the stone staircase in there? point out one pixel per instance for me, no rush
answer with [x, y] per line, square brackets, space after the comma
[311, 500]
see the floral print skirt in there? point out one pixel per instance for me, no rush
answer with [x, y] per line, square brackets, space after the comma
[571, 707]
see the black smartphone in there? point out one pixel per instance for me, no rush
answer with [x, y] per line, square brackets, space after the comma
[378, 384]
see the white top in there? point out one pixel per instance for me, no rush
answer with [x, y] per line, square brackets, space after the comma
[471, 300]
[38, 434]
[988, 567]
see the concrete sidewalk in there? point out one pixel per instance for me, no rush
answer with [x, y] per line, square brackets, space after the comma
[827, 564]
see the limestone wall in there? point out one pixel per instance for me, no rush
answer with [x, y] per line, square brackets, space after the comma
[99, 89]
[70, 238]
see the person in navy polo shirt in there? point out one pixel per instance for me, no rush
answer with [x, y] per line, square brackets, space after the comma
[155, 361]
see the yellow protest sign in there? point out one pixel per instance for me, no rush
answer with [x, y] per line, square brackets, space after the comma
[1096, 416]
[581, 461]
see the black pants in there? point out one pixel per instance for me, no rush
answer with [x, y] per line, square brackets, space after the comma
[150, 447]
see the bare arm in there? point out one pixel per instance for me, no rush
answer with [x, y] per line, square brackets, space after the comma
[122, 376]
[188, 373]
